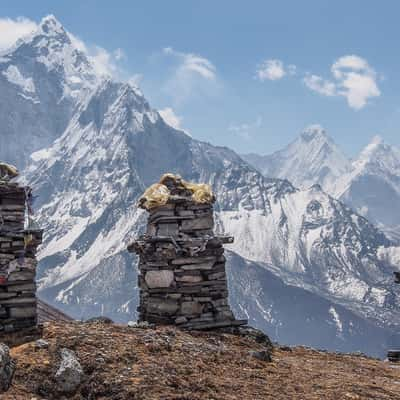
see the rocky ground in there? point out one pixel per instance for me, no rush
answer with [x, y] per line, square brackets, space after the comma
[165, 363]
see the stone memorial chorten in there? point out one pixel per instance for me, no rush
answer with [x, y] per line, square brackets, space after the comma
[18, 243]
[182, 277]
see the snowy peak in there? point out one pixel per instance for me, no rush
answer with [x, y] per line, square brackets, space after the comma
[44, 77]
[314, 132]
[51, 26]
[60, 52]
[379, 157]
[312, 158]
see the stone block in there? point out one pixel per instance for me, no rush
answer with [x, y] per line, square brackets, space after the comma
[198, 224]
[191, 308]
[161, 306]
[159, 279]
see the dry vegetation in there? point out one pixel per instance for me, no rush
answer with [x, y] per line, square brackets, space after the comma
[165, 363]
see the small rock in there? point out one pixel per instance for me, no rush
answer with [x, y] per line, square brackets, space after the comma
[99, 320]
[140, 324]
[41, 344]
[263, 355]
[7, 368]
[70, 373]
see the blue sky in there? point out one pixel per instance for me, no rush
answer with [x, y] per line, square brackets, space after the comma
[250, 75]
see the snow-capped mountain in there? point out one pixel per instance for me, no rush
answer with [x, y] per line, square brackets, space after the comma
[369, 184]
[42, 78]
[114, 145]
[312, 158]
[313, 241]
[372, 186]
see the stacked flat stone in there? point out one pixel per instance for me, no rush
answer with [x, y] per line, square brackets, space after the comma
[17, 261]
[182, 277]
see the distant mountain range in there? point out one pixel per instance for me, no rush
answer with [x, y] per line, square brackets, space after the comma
[370, 184]
[304, 266]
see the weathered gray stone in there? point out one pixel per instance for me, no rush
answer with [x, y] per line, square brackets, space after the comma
[70, 373]
[193, 260]
[22, 312]
[200, 266]
[7, 368]
[162, 306]
[198, 224]
[191, 308]
[159, 279]
[41, 344]
[189, 278]
[167, 229]
[263, 355]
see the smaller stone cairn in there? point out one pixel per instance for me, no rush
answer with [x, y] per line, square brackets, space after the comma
[393, 355]
[182, 278]
[18, 316]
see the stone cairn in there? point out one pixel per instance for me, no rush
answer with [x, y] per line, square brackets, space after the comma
[394, 354]
[182, 278]
[17, 261]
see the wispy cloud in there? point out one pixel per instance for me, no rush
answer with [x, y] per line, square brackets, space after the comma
[244, 130]
[192, 74]
[273, 70]
[172, 119]
[192, 64]
[13, 29]
[319, 85]
[352, 78]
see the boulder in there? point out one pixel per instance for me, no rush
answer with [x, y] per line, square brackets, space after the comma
[263, 355]
[7, 368]
[70, 373]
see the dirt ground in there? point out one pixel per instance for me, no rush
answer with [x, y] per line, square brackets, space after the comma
[164, 363]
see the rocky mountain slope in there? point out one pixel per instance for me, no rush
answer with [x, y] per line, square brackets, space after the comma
[115, 145]
[42, 78]
[144, 363]
[372, 186]
[369, 184]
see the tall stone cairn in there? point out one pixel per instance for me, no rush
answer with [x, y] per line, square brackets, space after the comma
[182, 277]
[17, 263]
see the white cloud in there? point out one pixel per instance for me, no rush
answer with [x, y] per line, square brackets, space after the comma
[13, 29]
[193, 64]
[244, 130]
[192, 75]
[320, 85]
[274, 69]
[172, 119]
[353, 78]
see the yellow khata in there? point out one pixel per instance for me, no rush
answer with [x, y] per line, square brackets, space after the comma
[158, 193]
[7, 171]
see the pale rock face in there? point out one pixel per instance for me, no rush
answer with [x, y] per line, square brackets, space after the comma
[70, 373]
